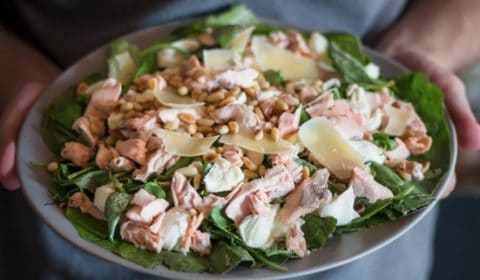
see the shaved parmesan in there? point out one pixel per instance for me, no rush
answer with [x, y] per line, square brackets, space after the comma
[318, 44]
[291, 65]
[247, 141]
[341, 208]
[329, 147]
[398, 120]
[218, 60]
[169, 98]
[182, 144]
[240, 40]
[122, 67]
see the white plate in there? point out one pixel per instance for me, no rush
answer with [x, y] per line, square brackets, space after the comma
[337, 251]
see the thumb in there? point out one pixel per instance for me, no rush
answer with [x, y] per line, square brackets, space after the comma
[467, 127]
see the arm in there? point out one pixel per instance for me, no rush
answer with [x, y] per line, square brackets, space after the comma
[24, 73]
[438, 37]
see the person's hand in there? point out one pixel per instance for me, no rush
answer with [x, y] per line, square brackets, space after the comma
[467, 128]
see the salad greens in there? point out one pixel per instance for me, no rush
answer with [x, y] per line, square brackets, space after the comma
[228, 248]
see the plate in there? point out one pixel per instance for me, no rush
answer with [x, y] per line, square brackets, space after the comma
[337, 251]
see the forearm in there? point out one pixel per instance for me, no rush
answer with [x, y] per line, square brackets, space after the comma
[446, 31]
[20, 65]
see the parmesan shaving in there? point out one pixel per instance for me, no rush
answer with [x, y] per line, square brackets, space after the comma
[291, 65]
[218, 60]
[247, 141]
[329, 147]
[182, 144]
[240, 40]
[398, 120]
[169, 98]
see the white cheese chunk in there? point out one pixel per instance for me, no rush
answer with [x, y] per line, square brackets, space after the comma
[369, 151]
[329, 147]
[372, 70]
[217, 60]
[223, 176]
[341, 208]
[173, 228]
[256, 230]
[101, 195]
[240, 40]
[398, 120]
[318, 44]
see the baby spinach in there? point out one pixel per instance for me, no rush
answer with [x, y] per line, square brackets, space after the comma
[115, 205]
[274, 77]
[304, 116]
[190, 262]
[154, 188]
[312, 168]
[92, 180]
[225, 257]
[182, 162]
[384, 141]
[317, 230]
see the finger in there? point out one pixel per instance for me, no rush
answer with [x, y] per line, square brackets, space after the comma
[467, 127]
[450, 186]
[10, 123]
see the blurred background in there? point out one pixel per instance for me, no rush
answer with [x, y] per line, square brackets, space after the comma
[458, 228]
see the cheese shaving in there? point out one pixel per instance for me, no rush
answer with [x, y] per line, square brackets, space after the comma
[247, 141]
[182, 144]
[169, 98]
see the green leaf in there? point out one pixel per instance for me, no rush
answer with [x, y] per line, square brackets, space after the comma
[237, 15]
[224, 35]
[139, 256]
[116, 203]
[148, 64]
[92, 180]
[155, 189]
[349, 43]
[274, 77]
[304, 116]
[219, 219]
[312, 168]
[224, 257]
[182, 162]
[384, 141]
[387, 177]
[412, 202]
[187, 263]
[317, 230]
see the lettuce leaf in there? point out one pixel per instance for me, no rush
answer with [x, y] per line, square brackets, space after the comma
[317, 230]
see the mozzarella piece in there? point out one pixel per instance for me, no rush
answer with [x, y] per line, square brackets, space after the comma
[182, 144]
[187, 43]
[398, 120]
[217, 60]
[223, 176]
[169, 58]
[341, 208]
[369, 151]
[122, 67]
[329, 147]
[256, 230]
[358, 100]
[291, 65]
[241, 99]
[244, 78]
[375, 120]
[240, 40]
[247, 141]
[372, 70]
[173, 228]
[169, 98]
[318, 44]
[101, 195]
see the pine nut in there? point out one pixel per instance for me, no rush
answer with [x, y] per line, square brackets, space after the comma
[215, 97]
[211, 108]
[234, 128]
[250, 91]
[192, 128]
[81, 88]
[137, 107]
[259, 135]
[211, 157]
[198, 135]
[249, 174]
[205, 122]
[152, 84]
[261, 170]
[228, 100]
[52, 166]
[192, 212]
[259, 113]
[128, 106]
[249, 164]
[274, 120]
[275, 134]
[281, 105]
[234, 91]
[182, 91]
[171, 125]
[196, 181]
[305, 172]
[187, 118]
[204, 129]
[222, 129]
[405, 176]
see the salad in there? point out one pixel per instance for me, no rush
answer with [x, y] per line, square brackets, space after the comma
[231, 142]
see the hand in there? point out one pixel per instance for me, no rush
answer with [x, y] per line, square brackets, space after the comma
[467, 128]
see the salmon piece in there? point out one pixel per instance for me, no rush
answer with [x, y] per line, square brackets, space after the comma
[211, 200]
[157, 223]
[191, 67]
[400, 153]
[412, 168]
[307, 94]
[171, 114]
[103, 100]
[288, 123]
[418, 144]
[193, 225]
[81, 201]
[379, 100]
[306, 197]
[141, 236]
[296, 241]
[121, 164]
[233, 154]
[238, 208]
[201, 243]
[142, 198]
[82, 126]
[296, 170]
[297, 44]
[277, 181]
[157, 161]
[77, 153]
[104, 155]
[282, 157]
[184, 195]
[267, 94]
[139, 127]
[258, 202]
[348, 128]
[364, 185]
[322, 106]
[237, 112]
[416, 126]
[134, 149]
[267, 105]
[244, 78]
[145, 214]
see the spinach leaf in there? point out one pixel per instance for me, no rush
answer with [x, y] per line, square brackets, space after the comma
[60, 193]
[349, 43]
[317, 230]
[412, 202]
[312, 168]
[91, 180]
[155, 189]
[224, 35]
[116, 203]
[139, 256]
[375, 220]
[219, 220]
[182, 162]
[147, 64]
[191, 262]
[387, 177]
[304, 116]
[236, 15]
[274, 77]
[224, 257]
[384, 141]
